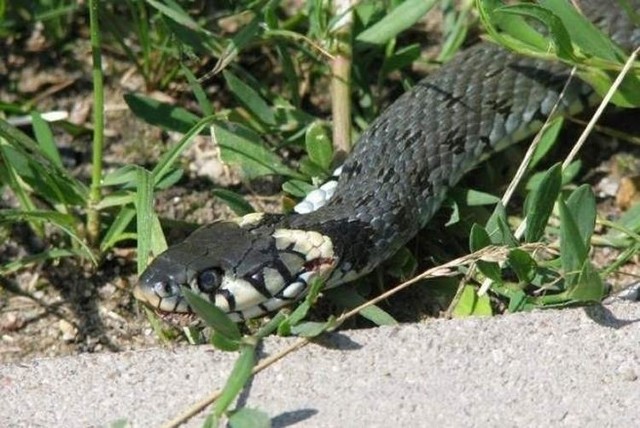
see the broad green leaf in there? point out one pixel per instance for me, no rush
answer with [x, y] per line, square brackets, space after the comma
[629, 220]
[582, 205]
[478, 238]
[498, 228]
[573, 251]
[522, 264]
[490, 269]
[470, 304]
[249, 98]
[517, 301]
[627, 95]
[318, 145]
[10, 177]
[594, 42]
[311, 169]
[540, 203]
[271, 326]
[478, 198]
[589, 286]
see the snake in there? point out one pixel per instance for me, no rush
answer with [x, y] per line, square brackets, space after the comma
[398, 175]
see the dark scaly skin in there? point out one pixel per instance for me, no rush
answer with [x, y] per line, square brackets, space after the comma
[405, 163]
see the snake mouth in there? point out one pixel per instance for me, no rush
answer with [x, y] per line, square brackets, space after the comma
[173, 310]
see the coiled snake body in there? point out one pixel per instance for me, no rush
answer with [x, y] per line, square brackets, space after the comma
[398, 175]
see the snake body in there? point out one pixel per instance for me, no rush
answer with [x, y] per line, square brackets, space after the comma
[397, 177]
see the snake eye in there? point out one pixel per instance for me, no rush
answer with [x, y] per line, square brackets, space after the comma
[209, 280]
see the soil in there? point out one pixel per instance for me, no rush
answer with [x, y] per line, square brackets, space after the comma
[68, 307]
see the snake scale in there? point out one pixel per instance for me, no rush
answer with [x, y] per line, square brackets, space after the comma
[392, 184]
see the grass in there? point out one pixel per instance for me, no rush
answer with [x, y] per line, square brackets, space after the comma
[276, 126]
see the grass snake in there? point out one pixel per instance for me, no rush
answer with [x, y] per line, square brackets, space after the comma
[392, 184]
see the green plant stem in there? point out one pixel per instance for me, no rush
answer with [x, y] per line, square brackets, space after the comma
[341, 82]
[93, 216]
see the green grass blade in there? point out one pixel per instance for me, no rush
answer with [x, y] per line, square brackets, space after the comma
[52, 254]
[399, 19]
[65, 222]
[349, 298]
[242, 147]
[521, 31]
[144, 211]
[49, 180]
[583, 32]
[198, 92]
[234, 201]
[163, 115]
[45, 139]
[166, 162]
[236, 381]
[174, 12]
[249, 98]
[297, 188]
[116, 229]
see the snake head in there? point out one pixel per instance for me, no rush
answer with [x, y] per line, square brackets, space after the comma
[243, 268]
